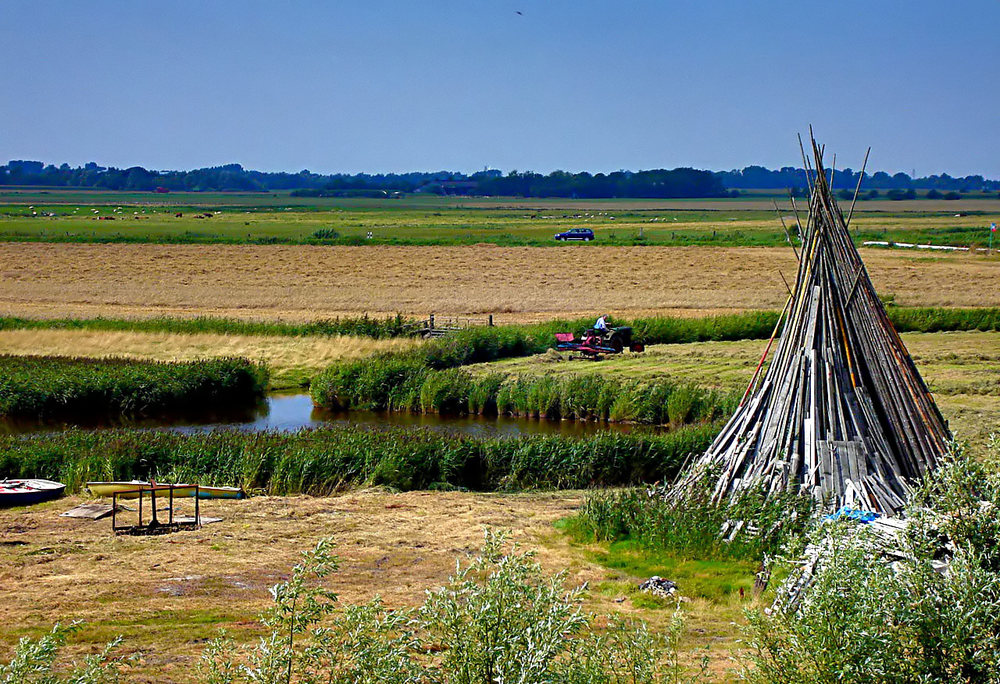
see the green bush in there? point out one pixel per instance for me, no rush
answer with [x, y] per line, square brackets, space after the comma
[868, 618]
[499, 618]
[35, 386]
[35, 661]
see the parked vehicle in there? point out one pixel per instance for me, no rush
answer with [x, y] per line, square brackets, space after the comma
[595, 343]
[583, 234]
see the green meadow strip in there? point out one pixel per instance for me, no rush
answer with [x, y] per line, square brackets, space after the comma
[504, 341]
[326, 460]
[359, 326]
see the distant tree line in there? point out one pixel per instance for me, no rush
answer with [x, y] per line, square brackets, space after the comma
[657, 183]
[758, 177]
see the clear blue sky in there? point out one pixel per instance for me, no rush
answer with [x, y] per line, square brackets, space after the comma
[458, 85]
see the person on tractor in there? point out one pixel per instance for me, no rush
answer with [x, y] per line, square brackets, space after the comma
[601, 326]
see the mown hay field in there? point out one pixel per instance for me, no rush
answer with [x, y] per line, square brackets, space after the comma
[516, 283]
[292, 361]
[168, 595]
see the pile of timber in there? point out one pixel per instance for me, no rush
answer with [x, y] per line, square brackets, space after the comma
[841, 412]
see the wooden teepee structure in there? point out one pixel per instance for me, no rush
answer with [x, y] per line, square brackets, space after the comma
[841, 412]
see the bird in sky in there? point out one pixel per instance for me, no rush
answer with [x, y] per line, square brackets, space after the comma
[519, 12]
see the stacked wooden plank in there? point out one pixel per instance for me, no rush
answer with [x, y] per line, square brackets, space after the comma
[841, 412]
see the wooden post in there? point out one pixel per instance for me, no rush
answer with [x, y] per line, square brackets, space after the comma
[431, 326]
[491, 320]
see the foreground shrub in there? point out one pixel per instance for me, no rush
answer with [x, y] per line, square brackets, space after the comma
[35, 662]
[866, 619]
[498, 619]
[36, 386]
[325, 460]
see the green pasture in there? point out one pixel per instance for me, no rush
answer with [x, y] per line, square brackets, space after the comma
[278, 218]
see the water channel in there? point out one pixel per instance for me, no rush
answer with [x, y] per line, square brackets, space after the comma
[289, 412]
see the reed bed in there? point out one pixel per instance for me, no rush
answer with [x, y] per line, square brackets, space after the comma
[322, 461]
[691, 529]
[403, 384]
[40, 386]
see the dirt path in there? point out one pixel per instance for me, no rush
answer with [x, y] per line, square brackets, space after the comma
[520, 283]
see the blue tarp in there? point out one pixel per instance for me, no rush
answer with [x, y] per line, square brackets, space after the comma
[853, 514]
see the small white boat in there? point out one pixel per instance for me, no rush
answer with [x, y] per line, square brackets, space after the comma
[25, 492]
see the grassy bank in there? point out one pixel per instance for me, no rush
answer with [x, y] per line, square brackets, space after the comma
[323, 461]
[292, 361]
[32, 386]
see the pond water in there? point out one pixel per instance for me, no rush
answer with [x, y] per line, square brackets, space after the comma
[289, 412]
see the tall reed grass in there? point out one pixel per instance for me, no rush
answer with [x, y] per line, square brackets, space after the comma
[401, 383]
[325, 460]
[37, 386]
[693, 527]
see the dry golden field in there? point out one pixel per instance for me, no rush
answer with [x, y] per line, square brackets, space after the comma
[292, 360]
[168, 595]
[517, 283]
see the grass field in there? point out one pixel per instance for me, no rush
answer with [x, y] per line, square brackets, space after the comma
[75, 216]
[167, 595]
[515, 283]
[959, 367]
[291, 360]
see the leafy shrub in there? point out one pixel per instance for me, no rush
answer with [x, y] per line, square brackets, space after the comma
[865, 619]
[498, 619]
[34, 661]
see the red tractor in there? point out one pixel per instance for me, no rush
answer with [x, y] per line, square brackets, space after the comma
[594, 343]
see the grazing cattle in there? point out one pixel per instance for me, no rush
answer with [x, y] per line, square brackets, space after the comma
[179, 215]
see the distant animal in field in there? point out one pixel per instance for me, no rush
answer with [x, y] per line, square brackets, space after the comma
[179, 215]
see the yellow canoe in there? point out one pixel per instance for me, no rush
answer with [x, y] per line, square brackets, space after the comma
[107, 489]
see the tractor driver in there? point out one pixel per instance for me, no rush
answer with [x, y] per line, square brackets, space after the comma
[601, 326]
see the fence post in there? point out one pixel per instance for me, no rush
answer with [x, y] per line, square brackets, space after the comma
[432, 322]
[491, 320]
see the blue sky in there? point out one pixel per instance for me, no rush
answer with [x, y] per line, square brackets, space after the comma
[599, 86]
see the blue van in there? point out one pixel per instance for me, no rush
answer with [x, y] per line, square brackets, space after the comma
[585, 234]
